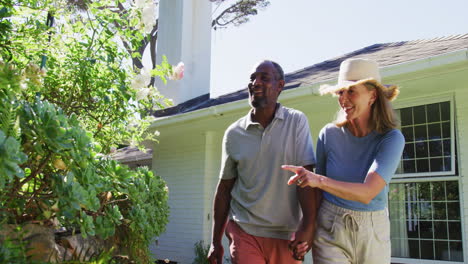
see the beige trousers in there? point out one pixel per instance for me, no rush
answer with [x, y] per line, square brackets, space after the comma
[351, 237]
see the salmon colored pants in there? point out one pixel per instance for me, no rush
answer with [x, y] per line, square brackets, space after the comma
[249, 249]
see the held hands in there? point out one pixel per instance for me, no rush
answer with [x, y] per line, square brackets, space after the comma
[302, 177]
[299, 248]
[216, 253]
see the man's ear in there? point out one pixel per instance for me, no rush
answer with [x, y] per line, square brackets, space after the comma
[280, 86]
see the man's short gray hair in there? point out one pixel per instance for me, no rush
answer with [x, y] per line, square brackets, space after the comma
[278, 68]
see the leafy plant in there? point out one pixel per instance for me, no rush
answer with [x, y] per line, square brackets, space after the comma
[59, 120]
[201, 253]
[13, 249]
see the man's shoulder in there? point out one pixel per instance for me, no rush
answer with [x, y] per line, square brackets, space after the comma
[239, 123]
[292, 113]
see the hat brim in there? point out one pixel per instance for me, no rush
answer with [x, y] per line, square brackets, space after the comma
[390, 91]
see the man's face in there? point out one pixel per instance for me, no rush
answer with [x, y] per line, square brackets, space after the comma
[264, 86]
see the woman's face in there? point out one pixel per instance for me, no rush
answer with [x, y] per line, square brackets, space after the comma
[356, 101]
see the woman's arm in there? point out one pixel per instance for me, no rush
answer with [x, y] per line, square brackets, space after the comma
[361, 192]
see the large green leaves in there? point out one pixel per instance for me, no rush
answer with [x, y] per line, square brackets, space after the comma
[10, 159]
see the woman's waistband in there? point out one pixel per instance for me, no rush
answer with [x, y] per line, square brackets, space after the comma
[330, 207]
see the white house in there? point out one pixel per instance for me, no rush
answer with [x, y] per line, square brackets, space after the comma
[428, 195]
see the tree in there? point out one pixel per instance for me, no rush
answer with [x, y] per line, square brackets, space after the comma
[57, 121]
[70, 89]
[235, 14]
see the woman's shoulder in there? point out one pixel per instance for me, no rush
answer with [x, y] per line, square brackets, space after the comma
[394, 135]
[331, 128]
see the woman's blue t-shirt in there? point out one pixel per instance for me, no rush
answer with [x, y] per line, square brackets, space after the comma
[345, 157]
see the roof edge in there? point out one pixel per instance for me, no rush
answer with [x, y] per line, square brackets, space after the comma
[425, 63]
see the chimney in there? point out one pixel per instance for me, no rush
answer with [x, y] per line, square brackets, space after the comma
[185, 35]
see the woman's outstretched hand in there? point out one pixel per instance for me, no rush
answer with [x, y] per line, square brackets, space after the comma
[302, 177]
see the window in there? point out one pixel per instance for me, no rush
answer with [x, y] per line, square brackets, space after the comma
[425, 221]
[429, 148]
[424, 200]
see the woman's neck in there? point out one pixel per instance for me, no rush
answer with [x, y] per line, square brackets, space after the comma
[359, 128]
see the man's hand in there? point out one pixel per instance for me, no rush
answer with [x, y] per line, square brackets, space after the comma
[216, 254]
[301, 243]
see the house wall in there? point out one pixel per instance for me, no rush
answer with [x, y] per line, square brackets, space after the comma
[187, 157]
[188, 154]
[180, 161]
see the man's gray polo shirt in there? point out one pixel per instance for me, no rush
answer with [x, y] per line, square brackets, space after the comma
[263, 204]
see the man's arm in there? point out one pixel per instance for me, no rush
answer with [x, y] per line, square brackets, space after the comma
[309, 199]
[221, 208]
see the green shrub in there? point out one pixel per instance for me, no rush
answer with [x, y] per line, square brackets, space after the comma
[59, 121]
[201, 253]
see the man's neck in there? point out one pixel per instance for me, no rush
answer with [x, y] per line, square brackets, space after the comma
[264, 115]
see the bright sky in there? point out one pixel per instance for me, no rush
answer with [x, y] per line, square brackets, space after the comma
[300, 33]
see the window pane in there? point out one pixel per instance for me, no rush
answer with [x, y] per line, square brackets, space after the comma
[420, 133]
[434, 131]
[446, 129]
[438, 191]
[442, 250]
[424, 191]
[425, 210]
[452, 190]
[408, 152]
[422, 165]
[447, 147]
[419, 114]
[406, 115]
[437, 164]
[454, 230]
[448, 164]
[409, 166]
[426, 229]
[413, 230]
[433, 113]
[445, 110]
[408, 133]
[427, 249]
[440, 210]
[435, 148]
[421, 150]
[440, 230]
[412, 210]
[453, 210]
[414, 248]
[456, 251]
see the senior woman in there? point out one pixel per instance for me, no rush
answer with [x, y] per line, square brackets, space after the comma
[357, 156]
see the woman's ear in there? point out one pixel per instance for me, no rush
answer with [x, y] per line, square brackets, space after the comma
[373, 96]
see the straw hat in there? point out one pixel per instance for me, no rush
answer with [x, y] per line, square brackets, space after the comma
[360, 71]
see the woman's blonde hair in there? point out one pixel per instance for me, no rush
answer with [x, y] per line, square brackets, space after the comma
[383, 117]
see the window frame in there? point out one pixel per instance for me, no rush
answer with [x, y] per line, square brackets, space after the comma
[426, 101]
